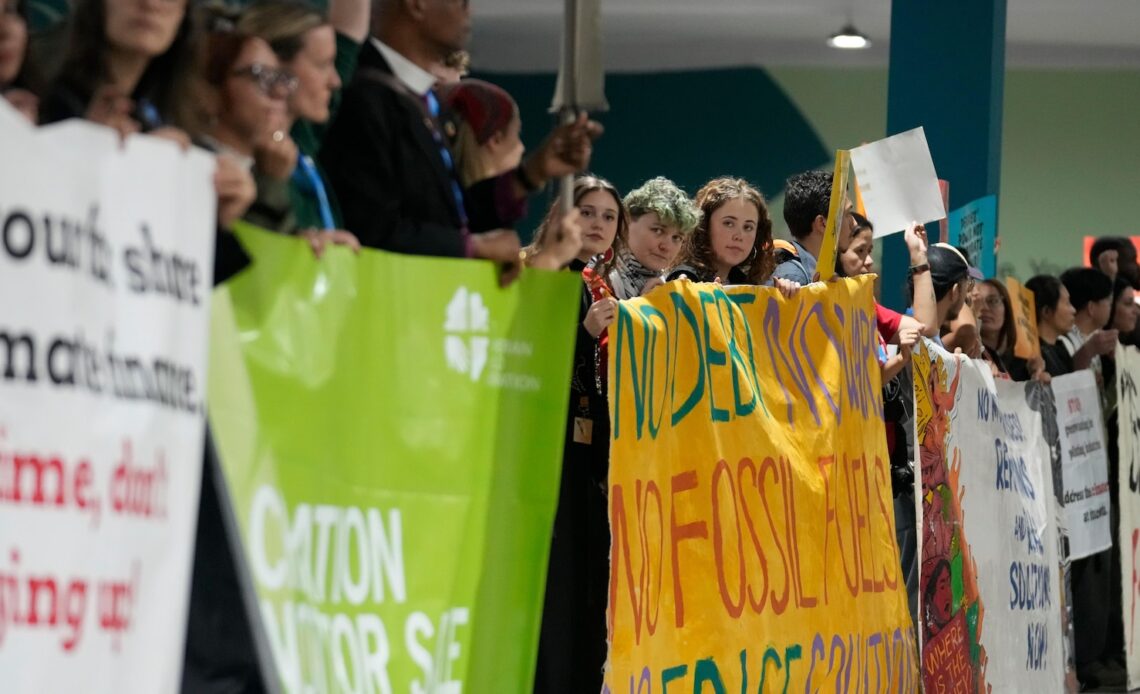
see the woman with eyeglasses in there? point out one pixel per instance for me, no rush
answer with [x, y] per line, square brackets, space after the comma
[994, 312]
[242, 97]
[242, 94]
[320, 50]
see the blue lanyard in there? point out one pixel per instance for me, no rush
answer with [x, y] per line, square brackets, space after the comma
[445, 154]
[314, 182]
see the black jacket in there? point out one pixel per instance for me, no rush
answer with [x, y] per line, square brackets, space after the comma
[384, 164]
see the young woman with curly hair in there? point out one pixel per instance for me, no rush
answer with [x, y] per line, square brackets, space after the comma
[733, 240]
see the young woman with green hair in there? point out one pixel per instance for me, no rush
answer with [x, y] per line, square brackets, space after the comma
[661, 217]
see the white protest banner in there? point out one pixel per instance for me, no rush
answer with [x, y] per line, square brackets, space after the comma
[897, 182]
[1084, 464]
[105, 270]
[1128, 419]
[995, 461]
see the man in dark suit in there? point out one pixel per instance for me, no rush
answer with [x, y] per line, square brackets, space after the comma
[388, 161]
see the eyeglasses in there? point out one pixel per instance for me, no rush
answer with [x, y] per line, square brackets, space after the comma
[267, 78]
[991, 301]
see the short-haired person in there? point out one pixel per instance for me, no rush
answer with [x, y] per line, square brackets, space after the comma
[1090, 293]
[807, 202]
[1104, 255]
[388, 160]
[572, 642]
[320, 51]
[661, 217]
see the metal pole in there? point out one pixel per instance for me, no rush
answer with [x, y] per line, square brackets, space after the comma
[569, 111]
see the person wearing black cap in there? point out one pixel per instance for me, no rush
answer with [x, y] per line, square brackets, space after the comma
[953, 278]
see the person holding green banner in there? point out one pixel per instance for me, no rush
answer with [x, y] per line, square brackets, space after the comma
[572, 643]
[320, 51]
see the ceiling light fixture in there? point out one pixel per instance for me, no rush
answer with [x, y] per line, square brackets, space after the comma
[849, 38]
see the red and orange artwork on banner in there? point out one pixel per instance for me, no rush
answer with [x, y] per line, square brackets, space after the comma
[750, 496]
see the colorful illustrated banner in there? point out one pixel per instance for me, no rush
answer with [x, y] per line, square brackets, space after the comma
[1084, 464]
[994, 462]
[105, 263]
[974, 228]
[391, 432]
[751, 509]
[949, 604]
[1128, 414]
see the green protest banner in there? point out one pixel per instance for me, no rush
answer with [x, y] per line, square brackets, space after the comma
[390, 429]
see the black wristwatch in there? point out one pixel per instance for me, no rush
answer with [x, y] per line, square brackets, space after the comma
[919, 269]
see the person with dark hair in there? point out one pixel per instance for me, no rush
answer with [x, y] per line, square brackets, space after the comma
[1123, 319]
[1090, 293]
[807, 201]
[1055, 317]
[1123, 314]
[994, 311]
[1104, 255]
[388, 159]
[320, 51]
[961, 332]
[18, 85]
[856, 258]
[129, 65]
[952, 279]
[572, 641]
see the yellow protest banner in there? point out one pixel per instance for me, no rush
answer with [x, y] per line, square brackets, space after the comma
[836, 211]
[1024, 318]
[750, 496]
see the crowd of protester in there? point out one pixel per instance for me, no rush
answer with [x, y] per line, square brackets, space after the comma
[356, 126]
